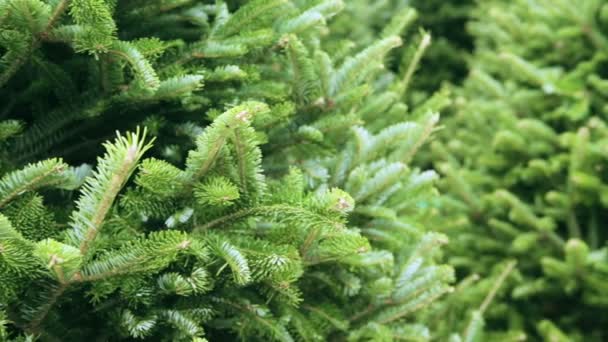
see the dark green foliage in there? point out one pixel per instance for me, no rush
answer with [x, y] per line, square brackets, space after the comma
[446, 59]
[32, 218]
[271, 195]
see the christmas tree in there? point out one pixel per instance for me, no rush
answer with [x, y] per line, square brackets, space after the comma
[262, 185]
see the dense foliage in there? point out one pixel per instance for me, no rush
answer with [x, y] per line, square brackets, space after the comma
[524, 163]
[270, 195]
[191, 170]
[446, 59]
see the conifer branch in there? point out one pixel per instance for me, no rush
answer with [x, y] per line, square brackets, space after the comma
[429, 126]
[34, 325]
[101, 189]
[210, 143]
[416, 304]
[353, 68]
[15, 66]
[213, 153]
[280, 210]
[18, 62]
[227, 218]
[413, 65]
[30, 178]
[248, 160]
[141, 67]
[247, 14]
[312, 236]
[282, 334]
[57, 13]
[476, 323]
[497, 284]
[98, 195]
[241, 155]
[144, 255]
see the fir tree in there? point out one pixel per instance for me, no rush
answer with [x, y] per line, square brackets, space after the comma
[271, 196]
[524, 159]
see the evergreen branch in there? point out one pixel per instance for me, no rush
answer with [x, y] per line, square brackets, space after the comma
[400, 22]
[103, 186]
[524, 215]
[353, 68]
[159, 177]
[51, 129]
[18, 62]
[476, 323]
[228, 218]
[209, 144]
[185, 324]
[241, 158]
[311, 237]
[234, 259]
[501, 278]
[34, 220]
[414, 305]
[342, 325]
[141, 67]
[212, 49]
[260, 315]
[366, 311]
[474, 327]
[149, 254]
[64, 260]
[328, 8]
[246, 15]
[138, 328]
[15, 251]
[413, 65]
[31, 177]
[305, 79]
[145, 255]
[57, 13]
[3, 323]
[426, 278]
[460, 288]
[382, 180]
[198, 282]
[282, 212]
[217, 191]
[34, 325]
[249, 160]
[97, 27]
[179, 85]
[429, 126]
[15, 66]
[301, 23]
[581, 144]
[395, 310]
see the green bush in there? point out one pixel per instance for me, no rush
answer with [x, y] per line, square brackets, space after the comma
[270, 196]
